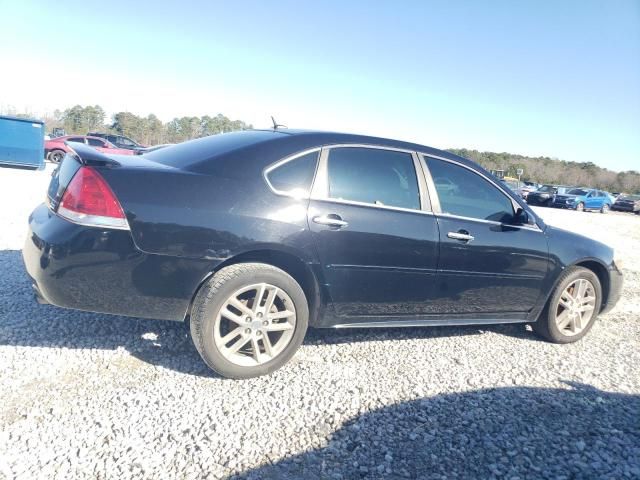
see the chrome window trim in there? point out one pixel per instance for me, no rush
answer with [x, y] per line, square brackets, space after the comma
[279, 163]
[436, 204]
[320, 189]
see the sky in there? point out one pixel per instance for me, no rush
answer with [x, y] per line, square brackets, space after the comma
[560, 79]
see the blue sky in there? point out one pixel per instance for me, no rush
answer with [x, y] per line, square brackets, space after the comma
[534, 77]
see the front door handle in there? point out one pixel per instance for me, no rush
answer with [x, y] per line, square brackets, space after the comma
[461, 235]
[330, 220]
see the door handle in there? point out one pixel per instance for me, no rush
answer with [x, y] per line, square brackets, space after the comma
[461, 235]
[330, 220]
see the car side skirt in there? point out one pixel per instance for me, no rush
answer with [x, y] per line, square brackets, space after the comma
[439, 321]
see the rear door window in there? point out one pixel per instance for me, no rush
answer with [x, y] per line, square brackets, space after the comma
[465, 193]
[375, 176]
[94, 142]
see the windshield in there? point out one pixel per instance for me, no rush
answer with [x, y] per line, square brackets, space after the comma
[547, 188]
[635, 198]
[577, 191]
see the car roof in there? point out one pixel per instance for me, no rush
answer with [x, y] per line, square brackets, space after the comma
[269, 146]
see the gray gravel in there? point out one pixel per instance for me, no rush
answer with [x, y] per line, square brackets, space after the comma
[88, 395]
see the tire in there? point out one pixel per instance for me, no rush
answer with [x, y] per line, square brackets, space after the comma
[580, 207]
[207, 320]
[546, 325]
[605, 208]
[56, 156]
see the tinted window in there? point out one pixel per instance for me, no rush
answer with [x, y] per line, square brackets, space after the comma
[94, 142]
[75, 139]
[126, 141]
[376, 176]
[577, 191]
[465, 193]
[294, 176]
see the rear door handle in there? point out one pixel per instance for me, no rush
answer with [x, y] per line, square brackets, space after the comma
[330, 220]
[461, 235]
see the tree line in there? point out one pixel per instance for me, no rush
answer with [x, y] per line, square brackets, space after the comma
[555, 171]
[150, 130]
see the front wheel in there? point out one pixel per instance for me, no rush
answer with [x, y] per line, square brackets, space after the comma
[572, 308]
[605, 208]
[248, 320]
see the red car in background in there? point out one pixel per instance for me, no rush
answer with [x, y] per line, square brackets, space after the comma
[55, 149]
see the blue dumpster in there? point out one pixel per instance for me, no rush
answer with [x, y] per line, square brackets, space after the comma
[21, 143]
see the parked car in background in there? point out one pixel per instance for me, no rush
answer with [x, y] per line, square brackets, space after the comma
[582, 199]
[525, 189]
[55, 149]
[627, 203]
[543, 197]
[119, 141]
[267, 232]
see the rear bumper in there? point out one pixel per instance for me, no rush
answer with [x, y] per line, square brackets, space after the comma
[101, 270]
[615, 289]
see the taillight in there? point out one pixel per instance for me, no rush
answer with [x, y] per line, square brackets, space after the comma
[88, 200]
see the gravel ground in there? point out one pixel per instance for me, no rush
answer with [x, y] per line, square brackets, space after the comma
[88, 395]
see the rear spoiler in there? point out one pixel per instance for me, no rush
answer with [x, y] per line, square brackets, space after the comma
[86, 155]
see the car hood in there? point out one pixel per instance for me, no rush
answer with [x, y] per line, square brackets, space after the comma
[542, 194]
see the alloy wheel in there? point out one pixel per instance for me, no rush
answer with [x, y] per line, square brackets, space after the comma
[575, 307]
[255, 324]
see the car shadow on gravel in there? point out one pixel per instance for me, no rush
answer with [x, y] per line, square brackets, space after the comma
[518, 432]
[23, 322]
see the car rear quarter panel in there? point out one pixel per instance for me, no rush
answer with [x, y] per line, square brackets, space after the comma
[209, 216]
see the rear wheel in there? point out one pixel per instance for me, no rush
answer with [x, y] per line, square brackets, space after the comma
[249, 320]
[56, 156]
[580, 207]
[573, 307]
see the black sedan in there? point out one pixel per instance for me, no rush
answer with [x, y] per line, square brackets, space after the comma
[251, 237]
[627, 203]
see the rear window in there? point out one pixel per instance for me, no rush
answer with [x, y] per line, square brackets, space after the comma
[193, 152]
[295, 176]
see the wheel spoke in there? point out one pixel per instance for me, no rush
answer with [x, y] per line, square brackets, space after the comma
[231, 335]
[577, 323]
[270, 299]
[241, 342]
[279, 327]
[268, 348]
[565, 299]
[585, 308]
[226, 313]
[563, 320]
[588, 299]
[581, 289]
[240, 306]
[258, 298]
[256, 349]
[280, 315]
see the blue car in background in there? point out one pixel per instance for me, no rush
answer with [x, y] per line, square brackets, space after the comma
[582, 199]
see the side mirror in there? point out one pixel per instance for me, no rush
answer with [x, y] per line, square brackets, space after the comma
[521, 217]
